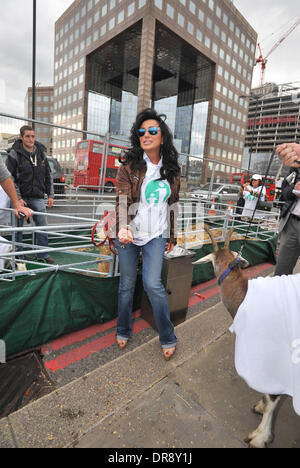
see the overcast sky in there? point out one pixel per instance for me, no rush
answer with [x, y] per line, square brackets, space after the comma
[270, 18]
[16, 49]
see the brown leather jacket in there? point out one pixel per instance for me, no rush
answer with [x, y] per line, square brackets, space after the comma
[129, 183]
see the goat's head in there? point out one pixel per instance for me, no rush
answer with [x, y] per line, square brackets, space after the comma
[220, 258]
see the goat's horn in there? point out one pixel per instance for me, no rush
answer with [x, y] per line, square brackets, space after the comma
[228, 237]
[213, 241]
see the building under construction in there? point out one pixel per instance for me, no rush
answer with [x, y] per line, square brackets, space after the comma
[274, 118]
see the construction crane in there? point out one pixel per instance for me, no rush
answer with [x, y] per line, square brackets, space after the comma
[263, 60]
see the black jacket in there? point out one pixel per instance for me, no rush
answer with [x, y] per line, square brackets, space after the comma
[30, 171]
[287, 188]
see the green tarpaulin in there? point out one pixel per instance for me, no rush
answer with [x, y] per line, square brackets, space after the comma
[37, 309]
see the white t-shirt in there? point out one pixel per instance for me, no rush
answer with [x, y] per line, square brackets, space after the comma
[151, 220]
[251, 202]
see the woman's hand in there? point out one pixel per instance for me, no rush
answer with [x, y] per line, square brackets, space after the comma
[125, 236]
[169, 247]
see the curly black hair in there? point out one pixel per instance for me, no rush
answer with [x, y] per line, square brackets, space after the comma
[134, 156]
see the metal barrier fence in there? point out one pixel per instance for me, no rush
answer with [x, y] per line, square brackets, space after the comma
[222, 217]
[70, 241]
[69, 236]
[76, 211]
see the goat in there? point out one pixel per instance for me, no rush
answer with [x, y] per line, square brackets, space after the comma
[233, 290]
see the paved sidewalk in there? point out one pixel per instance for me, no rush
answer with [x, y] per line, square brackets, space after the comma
[140, 400]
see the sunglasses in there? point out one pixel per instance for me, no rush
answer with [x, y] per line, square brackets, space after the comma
[152, 131]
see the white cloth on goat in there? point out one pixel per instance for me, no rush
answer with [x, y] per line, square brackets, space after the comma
[267, 328]
[4, 248]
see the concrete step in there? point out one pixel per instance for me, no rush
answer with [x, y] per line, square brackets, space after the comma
[64, 415]
[140, 400]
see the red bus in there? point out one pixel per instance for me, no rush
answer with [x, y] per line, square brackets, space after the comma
[88, 162]
[269, 182]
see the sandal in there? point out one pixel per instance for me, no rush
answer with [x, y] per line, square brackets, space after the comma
[168, 352]
[122, 343]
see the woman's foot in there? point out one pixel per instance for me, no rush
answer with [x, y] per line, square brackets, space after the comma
[168, 352]
[121, 343]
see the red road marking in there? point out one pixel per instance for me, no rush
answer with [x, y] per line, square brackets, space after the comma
[64, 360]
[200, 287]
[258, 268]
[82, 335]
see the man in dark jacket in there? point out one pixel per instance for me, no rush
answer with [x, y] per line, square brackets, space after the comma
[28, 165]
[289, 251]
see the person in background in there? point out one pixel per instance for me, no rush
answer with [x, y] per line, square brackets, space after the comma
[241, 201]
[251, 193]
[28, 165]
[289, 227]
[149, 177]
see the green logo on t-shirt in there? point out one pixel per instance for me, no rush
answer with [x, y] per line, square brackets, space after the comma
[157, 191]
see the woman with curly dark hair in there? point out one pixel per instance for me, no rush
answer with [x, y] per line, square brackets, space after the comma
[148, 184]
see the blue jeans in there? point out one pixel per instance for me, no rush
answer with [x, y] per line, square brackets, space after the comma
[152, 265]
[36, 204]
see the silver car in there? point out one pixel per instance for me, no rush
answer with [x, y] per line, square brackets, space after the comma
[221, 193]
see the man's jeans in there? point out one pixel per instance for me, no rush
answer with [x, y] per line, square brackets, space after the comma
[289, 249]
[152, 253]
[36, 204]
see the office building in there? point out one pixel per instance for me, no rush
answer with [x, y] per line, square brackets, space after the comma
[188, 59]
[44, 97]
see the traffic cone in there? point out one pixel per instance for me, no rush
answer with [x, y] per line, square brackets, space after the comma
[212, 209]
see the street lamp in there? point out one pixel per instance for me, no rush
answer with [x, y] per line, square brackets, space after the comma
[33, 61]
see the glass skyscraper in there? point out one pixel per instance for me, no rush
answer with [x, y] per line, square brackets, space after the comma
[188, 59]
